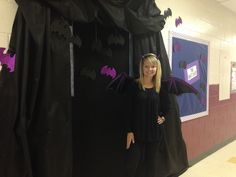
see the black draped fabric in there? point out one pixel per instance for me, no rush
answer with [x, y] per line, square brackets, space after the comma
[98, 129]
[36, 119]
[9, 155]
[42, 126]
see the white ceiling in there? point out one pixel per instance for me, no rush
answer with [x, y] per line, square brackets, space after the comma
[230, 4]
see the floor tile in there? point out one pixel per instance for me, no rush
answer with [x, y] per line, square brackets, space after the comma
[222, 163]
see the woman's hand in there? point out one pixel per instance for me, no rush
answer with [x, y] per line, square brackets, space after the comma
[130, 139]
[160, 120]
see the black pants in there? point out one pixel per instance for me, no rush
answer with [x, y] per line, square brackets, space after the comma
[141, 159]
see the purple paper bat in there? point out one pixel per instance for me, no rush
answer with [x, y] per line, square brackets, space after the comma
[176, 47]
[108, 71]
[178, 21]
[203, 57]
[6, 59]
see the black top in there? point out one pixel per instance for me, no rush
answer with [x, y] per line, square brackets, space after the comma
[144, 108]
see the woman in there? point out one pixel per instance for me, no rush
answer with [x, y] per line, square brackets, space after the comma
[145, 117]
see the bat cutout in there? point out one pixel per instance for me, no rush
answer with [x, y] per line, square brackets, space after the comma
[203, 86]
[178, 21]
[176, 47]
[7, 59]
[167, 13]
[172, 84]
[203, 57]
[182, 64]
[62, 29]
[116, 40]
[108, 71]
[88, 73]
[76, 40]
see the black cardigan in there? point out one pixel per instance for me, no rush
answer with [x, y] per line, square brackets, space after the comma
[144, 108]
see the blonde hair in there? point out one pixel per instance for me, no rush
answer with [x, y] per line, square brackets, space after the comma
[152, 58]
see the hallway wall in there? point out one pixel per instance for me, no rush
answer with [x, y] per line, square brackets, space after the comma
[208, 20]
[206, 134]
[7, 15]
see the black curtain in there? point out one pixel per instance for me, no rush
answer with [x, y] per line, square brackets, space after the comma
[40, 113]
[98, 134]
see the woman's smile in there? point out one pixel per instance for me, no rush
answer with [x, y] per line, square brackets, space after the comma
[149, 69]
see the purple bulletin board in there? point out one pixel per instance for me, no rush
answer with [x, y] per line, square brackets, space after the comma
[189, 61]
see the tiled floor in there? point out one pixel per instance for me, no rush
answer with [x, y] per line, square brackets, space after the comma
[222, 163]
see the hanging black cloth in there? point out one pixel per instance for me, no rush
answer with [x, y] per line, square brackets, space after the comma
[40, 143]
[42, 126]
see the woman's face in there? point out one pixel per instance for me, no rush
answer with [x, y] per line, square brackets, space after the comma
[149, 69]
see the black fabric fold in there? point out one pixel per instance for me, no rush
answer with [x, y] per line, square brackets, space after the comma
[137, 17]
[43, 111]
[36, 118]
